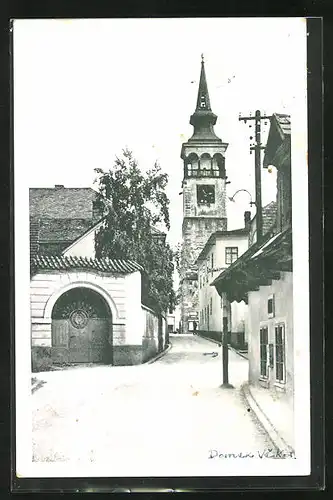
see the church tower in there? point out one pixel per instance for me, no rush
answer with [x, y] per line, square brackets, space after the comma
[204, 197]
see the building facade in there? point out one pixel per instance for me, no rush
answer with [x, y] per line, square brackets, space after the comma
[263, 278]
[204, 198]
[84, 309]
[222, 249]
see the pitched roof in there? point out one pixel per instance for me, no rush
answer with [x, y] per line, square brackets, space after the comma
[278, 137]
[59, 263]
[283, 123]
[62, 230]
[280, 243]
[62, 203]
[212, 239]
[268, 216]
[62, 214]
[34, 237]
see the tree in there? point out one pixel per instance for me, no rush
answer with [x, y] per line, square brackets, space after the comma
[135, 202]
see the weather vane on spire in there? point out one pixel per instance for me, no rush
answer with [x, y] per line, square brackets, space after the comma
[202, 57]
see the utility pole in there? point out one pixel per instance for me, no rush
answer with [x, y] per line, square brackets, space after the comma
[257, 147]
[225, 349]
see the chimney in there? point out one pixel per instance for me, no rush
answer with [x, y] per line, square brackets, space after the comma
[247, 219]
[59, 186]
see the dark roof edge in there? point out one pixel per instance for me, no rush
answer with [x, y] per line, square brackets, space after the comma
[249, 253]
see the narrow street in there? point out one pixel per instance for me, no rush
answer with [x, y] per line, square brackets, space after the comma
[173, 409]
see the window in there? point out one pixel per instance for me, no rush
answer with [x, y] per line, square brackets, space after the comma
[231, 254]
[191, 164]
[205, 194]
[279, 353]
[212, 262]
[211, 306]
[202, 101]
[264, 352]
[270, 306]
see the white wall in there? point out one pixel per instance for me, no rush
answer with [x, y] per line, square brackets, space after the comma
[257, 317]
[239, 311]
[85, 247]
[208, 293]
[122, 293]
[134, 318]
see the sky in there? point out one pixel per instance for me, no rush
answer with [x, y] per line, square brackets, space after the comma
[86, 89]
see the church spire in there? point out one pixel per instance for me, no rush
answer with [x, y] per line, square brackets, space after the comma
[203, 119]
[203, 101]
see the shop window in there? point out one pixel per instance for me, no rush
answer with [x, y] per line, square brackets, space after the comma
[231, 254]
[205, 194]
[264, 352]
[280, 353]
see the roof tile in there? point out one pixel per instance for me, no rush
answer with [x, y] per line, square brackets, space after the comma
[59, 263]
[62, 203]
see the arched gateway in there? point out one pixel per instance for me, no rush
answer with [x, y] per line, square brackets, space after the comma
[81, 328]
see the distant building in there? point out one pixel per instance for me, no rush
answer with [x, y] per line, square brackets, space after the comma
[222, 249]
[263, 278]
[204, 198]
[84, 309]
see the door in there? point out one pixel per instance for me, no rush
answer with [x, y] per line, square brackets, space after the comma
[88, 344]
[60, 340]
[81, 328]
[98, 335]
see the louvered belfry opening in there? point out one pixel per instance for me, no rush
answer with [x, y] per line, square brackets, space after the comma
[81, 328]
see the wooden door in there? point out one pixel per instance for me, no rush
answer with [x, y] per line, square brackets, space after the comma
[81, 328]
[98, 340]
[78, 344]
[60, 340]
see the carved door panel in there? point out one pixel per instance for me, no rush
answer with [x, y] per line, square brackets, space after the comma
[79, 335]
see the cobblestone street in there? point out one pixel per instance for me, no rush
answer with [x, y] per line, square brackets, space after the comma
[172, 410]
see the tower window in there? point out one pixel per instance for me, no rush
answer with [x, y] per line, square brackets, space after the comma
[203, 102]
[191, 165]
[205, 194]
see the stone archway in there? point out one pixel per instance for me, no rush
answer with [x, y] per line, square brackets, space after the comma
[81, 328]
